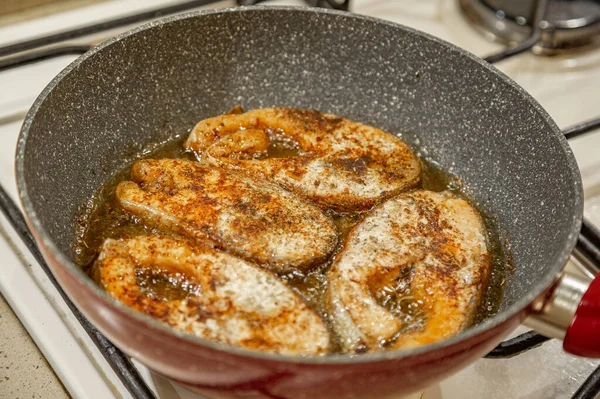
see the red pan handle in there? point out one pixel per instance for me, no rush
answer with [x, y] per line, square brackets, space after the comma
[583, 334]
[570, 310]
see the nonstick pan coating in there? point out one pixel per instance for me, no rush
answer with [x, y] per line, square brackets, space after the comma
[157, 81]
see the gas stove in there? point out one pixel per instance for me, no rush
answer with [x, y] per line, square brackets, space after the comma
[561, 26]
[567, 85]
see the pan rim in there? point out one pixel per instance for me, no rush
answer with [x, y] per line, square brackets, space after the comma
[498, 319]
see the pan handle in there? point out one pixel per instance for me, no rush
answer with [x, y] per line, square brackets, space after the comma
[570, 310]
[582, 337]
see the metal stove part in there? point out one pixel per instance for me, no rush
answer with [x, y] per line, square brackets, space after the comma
[567, 25]
[333, 4]
[63, 43]
[42, 49]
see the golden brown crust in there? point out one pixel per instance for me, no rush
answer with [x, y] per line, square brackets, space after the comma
[424, 256]
[258, 221]
[342, 165]
[236, 302]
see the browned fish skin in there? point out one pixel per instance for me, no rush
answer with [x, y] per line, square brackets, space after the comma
[431, 249]
[343, 165]
[257, 221]
[237, 302]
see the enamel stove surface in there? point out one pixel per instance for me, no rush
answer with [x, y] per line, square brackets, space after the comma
[568, 87]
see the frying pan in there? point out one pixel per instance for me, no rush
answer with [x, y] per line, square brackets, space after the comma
[158, 80]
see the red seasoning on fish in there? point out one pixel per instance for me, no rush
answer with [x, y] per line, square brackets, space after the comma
[255, 220]
[410, 274]
[341, 164]
[236, 303]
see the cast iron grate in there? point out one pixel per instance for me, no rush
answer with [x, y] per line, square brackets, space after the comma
[59, 44]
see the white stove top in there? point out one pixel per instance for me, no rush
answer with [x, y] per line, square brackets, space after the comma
[569, 89]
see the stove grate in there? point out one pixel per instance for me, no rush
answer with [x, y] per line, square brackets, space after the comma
[59, 44]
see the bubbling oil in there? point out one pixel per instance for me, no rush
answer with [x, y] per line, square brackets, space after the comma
[103, 218]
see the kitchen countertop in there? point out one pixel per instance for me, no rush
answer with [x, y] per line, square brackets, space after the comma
[24, 372]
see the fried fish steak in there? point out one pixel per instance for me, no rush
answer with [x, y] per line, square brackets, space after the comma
[410, 274]
[341, 164]
[255, 220]
[233, 301]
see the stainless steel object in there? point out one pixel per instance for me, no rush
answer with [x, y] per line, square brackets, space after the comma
[551, 314]
[567, 25]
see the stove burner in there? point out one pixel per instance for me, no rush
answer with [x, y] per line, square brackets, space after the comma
[585, 17]
[567, 25]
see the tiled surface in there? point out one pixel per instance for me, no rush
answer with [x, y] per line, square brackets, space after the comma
[24, 372]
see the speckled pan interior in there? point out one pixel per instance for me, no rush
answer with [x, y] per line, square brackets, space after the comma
[158, 81]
